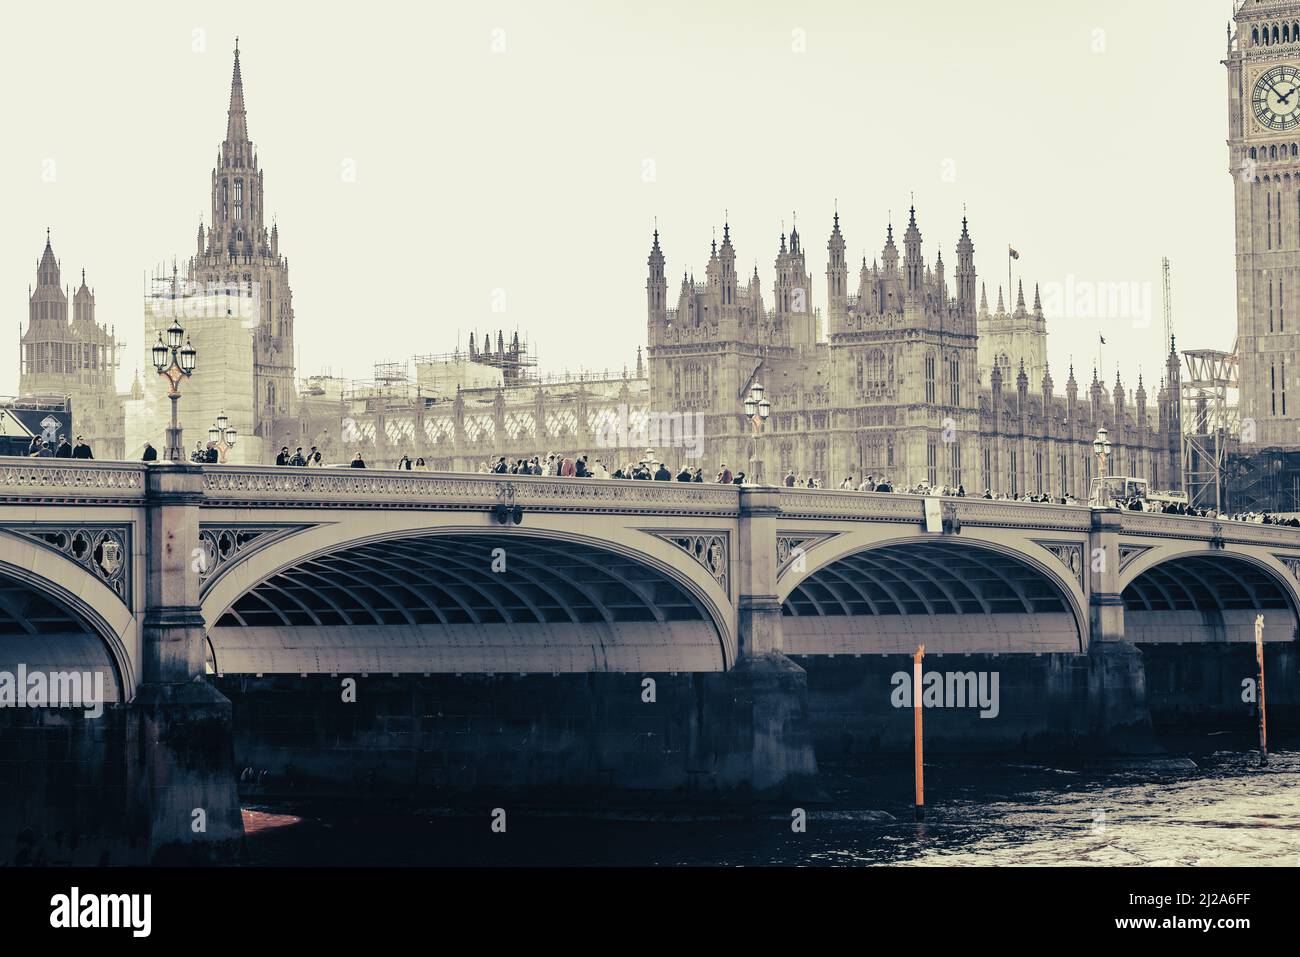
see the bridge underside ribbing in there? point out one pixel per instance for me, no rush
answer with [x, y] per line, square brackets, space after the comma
[951, 597]
[1206, 599]
[466, 603]
[40, 635]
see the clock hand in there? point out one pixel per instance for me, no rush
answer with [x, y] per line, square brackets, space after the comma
[1282, 99]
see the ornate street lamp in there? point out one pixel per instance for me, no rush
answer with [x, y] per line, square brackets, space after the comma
[174, 362]
[222, 435]
[1101, 448]
[758, 408]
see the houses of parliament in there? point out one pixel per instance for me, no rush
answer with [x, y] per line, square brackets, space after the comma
[908, 375]
[897, 366]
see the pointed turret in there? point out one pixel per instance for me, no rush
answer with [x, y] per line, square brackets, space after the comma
[83, 303]
[984, 301]
[966, 273]
[656, 288]
[913, 265]
[236, 119]
[47, 268]
[1020, 300]
[727, 257]
[837, 277]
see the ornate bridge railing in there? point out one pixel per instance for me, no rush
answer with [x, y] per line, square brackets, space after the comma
[57, 481]
[373, 488]
[902, 507]
[1211, 529]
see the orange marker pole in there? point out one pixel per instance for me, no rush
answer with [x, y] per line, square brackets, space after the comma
[916, 713]
[1263, 711]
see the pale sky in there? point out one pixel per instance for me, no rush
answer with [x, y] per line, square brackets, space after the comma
[1089, 136]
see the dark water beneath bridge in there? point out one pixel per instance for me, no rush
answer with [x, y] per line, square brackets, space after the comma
[1219, 808]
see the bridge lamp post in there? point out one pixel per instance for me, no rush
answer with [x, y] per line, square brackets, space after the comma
[758, 408]
[174, 362]
[1101, 447]
[222, 435]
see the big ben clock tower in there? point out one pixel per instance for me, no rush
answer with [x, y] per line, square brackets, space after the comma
[1264, 158]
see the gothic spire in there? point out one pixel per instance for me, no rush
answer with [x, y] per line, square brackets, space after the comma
[237, 123]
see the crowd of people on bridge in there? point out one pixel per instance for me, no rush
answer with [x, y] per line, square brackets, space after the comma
[650, 469]
[62, 449]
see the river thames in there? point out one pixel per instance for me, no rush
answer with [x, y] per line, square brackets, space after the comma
[1214, 808]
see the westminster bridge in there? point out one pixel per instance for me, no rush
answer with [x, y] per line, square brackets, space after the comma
[338, 630]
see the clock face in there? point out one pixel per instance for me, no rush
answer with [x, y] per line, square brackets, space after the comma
[1276, 100]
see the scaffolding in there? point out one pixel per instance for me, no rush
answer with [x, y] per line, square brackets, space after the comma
[518, 366]
[1211, 424]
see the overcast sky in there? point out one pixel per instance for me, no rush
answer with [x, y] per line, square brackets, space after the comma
[528, 147]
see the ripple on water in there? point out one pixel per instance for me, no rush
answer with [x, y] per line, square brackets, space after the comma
[1226, 811]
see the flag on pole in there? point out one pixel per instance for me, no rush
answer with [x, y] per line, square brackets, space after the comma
[1102, 338]
[1013, 253]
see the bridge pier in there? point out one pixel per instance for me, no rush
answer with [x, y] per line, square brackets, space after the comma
[186, 805]
[770, 688]
[1119, 717]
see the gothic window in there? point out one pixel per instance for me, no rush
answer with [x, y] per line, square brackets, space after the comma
[787, 456]
[819, 459]
[954, 382]
[1060, 465]
[239, 198]
[1272, 152]
[1038, 470]
[987, 469]
[1014, 490]
[1270, 307]
[270, 395]
[1253, 153]
[1283, 386]
[929, 379]
[1272, 388]
[931, 471]
[1254, 35]
[954, 462]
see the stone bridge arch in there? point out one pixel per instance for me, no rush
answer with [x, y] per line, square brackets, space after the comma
[867, 593]
[414, 597]
[1195, 592]
[56, 616]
